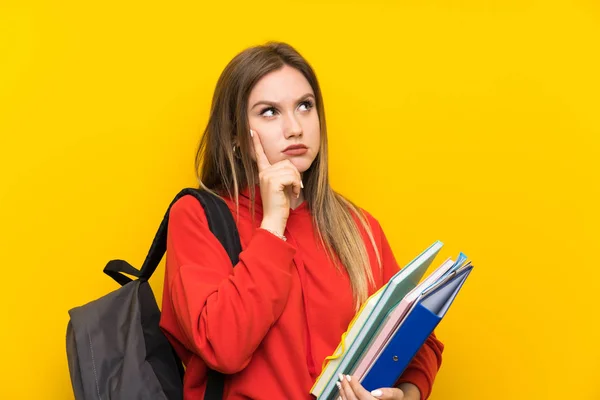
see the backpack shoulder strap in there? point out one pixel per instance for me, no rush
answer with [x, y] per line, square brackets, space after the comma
[220, 222]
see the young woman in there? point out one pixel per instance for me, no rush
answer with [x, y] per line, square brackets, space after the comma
[309, 256]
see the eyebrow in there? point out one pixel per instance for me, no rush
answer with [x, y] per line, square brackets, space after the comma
[275, 104]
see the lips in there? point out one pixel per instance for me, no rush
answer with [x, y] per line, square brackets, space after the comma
[295, 150]
[295, 146]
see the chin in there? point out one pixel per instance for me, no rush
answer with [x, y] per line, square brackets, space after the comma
[302, 164]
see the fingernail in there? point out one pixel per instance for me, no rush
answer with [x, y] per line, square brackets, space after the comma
[339, 398]
[341, 377]
[251, 133]
[301, 184]
[339, 385]
[348, 378]
[377, 393]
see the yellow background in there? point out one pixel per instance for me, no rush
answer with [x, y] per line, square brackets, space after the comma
[473, 122]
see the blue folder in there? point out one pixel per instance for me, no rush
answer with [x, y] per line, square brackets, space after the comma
[426, 313]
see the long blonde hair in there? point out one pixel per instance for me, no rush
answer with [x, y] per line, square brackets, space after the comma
[223, 172]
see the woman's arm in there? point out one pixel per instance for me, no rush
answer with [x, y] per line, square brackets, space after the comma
[222, 314]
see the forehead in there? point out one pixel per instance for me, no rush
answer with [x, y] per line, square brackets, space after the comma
[285, 84]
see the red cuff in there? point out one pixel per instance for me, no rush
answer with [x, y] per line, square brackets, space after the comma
[418, 378]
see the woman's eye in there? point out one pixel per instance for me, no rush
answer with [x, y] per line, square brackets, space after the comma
[267, 109]
[308, 105]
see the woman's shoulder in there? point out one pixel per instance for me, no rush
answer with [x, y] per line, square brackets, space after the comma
[375, 226]
[370, 217]
[372, 221]
[187, 208]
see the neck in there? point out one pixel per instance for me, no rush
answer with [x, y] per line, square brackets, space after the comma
[295, 202]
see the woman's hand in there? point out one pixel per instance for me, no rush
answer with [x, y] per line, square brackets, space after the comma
[351, 389]
[278, 182]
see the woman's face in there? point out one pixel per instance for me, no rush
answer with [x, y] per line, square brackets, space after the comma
[281, 108]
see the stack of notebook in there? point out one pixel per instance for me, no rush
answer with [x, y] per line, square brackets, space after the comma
[394, 323]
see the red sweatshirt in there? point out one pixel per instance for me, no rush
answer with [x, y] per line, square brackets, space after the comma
[269, 322]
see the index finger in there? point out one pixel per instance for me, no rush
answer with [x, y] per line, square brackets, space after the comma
[261, 158]
[360, 392]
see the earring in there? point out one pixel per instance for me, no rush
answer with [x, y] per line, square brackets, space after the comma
[234, 152]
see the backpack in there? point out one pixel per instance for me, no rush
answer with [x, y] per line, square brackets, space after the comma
[115, 347]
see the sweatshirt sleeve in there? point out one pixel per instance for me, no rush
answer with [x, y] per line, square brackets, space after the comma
[214, 304]
[423, 368]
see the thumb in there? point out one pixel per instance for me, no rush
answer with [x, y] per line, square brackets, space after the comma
[388, 394]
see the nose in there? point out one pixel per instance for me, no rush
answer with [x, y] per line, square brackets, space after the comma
[292, 127]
